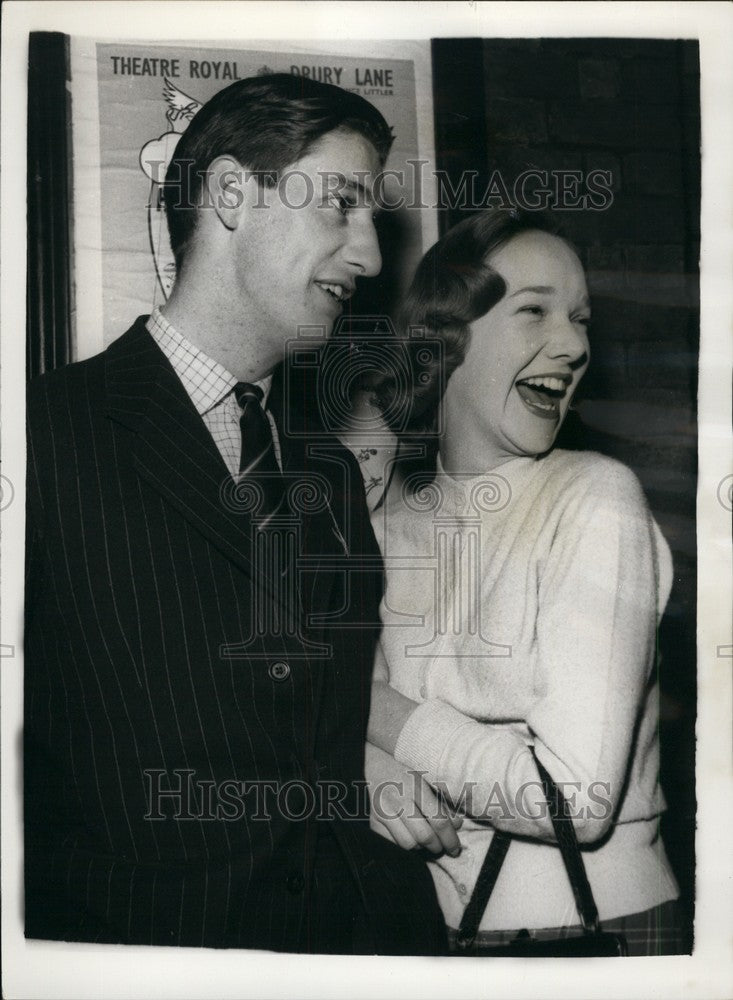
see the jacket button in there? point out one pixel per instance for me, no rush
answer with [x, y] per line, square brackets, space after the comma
[279, 671]
[295, 884]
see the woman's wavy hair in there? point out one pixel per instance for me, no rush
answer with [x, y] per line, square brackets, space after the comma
[453, 286]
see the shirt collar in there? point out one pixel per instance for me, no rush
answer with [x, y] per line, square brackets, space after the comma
[206, 381]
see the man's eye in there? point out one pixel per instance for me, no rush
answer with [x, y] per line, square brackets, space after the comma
[582, 320]
[340, 203]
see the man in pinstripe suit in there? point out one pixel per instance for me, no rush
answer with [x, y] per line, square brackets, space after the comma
[196, 695]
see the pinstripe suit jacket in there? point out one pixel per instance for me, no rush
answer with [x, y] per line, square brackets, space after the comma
[157, 661]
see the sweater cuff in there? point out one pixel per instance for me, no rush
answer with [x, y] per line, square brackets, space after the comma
[426, 735]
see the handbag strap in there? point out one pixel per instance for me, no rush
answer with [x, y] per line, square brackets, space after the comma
[484, 887]
[572, 859]
[567, 841]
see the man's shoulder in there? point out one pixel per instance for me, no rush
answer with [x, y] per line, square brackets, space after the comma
[53, 396]
[82, 383]
[78, 372]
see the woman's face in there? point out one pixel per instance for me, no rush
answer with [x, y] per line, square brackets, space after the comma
[526, 356]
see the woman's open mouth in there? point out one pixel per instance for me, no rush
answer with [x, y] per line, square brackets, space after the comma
[542, 394]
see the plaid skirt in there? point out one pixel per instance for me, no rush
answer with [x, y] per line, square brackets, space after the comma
[658, 931]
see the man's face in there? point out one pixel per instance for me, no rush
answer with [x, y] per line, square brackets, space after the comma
[302, 247]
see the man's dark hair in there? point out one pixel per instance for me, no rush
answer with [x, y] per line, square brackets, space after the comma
[265, 123]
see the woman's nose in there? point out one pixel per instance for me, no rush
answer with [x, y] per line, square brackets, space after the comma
[569, 340]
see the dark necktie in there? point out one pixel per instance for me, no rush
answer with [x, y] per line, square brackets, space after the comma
[257, 462]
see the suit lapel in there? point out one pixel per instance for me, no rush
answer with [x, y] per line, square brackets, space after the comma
[173, 450]
[175, 454]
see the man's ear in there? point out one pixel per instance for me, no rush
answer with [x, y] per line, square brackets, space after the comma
[225, 189]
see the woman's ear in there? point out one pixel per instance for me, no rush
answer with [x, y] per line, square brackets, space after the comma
[225, 190]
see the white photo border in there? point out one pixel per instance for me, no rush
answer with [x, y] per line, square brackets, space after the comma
[53, 969]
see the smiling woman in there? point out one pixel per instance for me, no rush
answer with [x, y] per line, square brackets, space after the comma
[526, 624]
[525, 357]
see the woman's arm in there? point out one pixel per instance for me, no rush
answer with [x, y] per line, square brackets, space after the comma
[404, 809]
[390, 710]
[595, 640]
[403, 806]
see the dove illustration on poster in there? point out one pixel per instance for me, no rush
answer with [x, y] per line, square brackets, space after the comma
[155, 156]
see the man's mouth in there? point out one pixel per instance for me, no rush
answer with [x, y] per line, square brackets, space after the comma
[542, 394]
[339, 293]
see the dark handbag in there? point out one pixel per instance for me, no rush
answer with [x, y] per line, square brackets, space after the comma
[592, 943]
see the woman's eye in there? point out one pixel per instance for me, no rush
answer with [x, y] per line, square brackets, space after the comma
[533, 310]
[582, 320]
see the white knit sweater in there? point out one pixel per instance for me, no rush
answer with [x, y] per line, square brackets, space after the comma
[532, 595]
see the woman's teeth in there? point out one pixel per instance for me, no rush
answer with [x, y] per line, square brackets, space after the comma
[543, 406]
[549, 383]
[542, 394]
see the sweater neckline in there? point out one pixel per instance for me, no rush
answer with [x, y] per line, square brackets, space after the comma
[489, 491]
[517, 461]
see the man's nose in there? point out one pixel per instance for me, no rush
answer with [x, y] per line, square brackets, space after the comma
[362, 250]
